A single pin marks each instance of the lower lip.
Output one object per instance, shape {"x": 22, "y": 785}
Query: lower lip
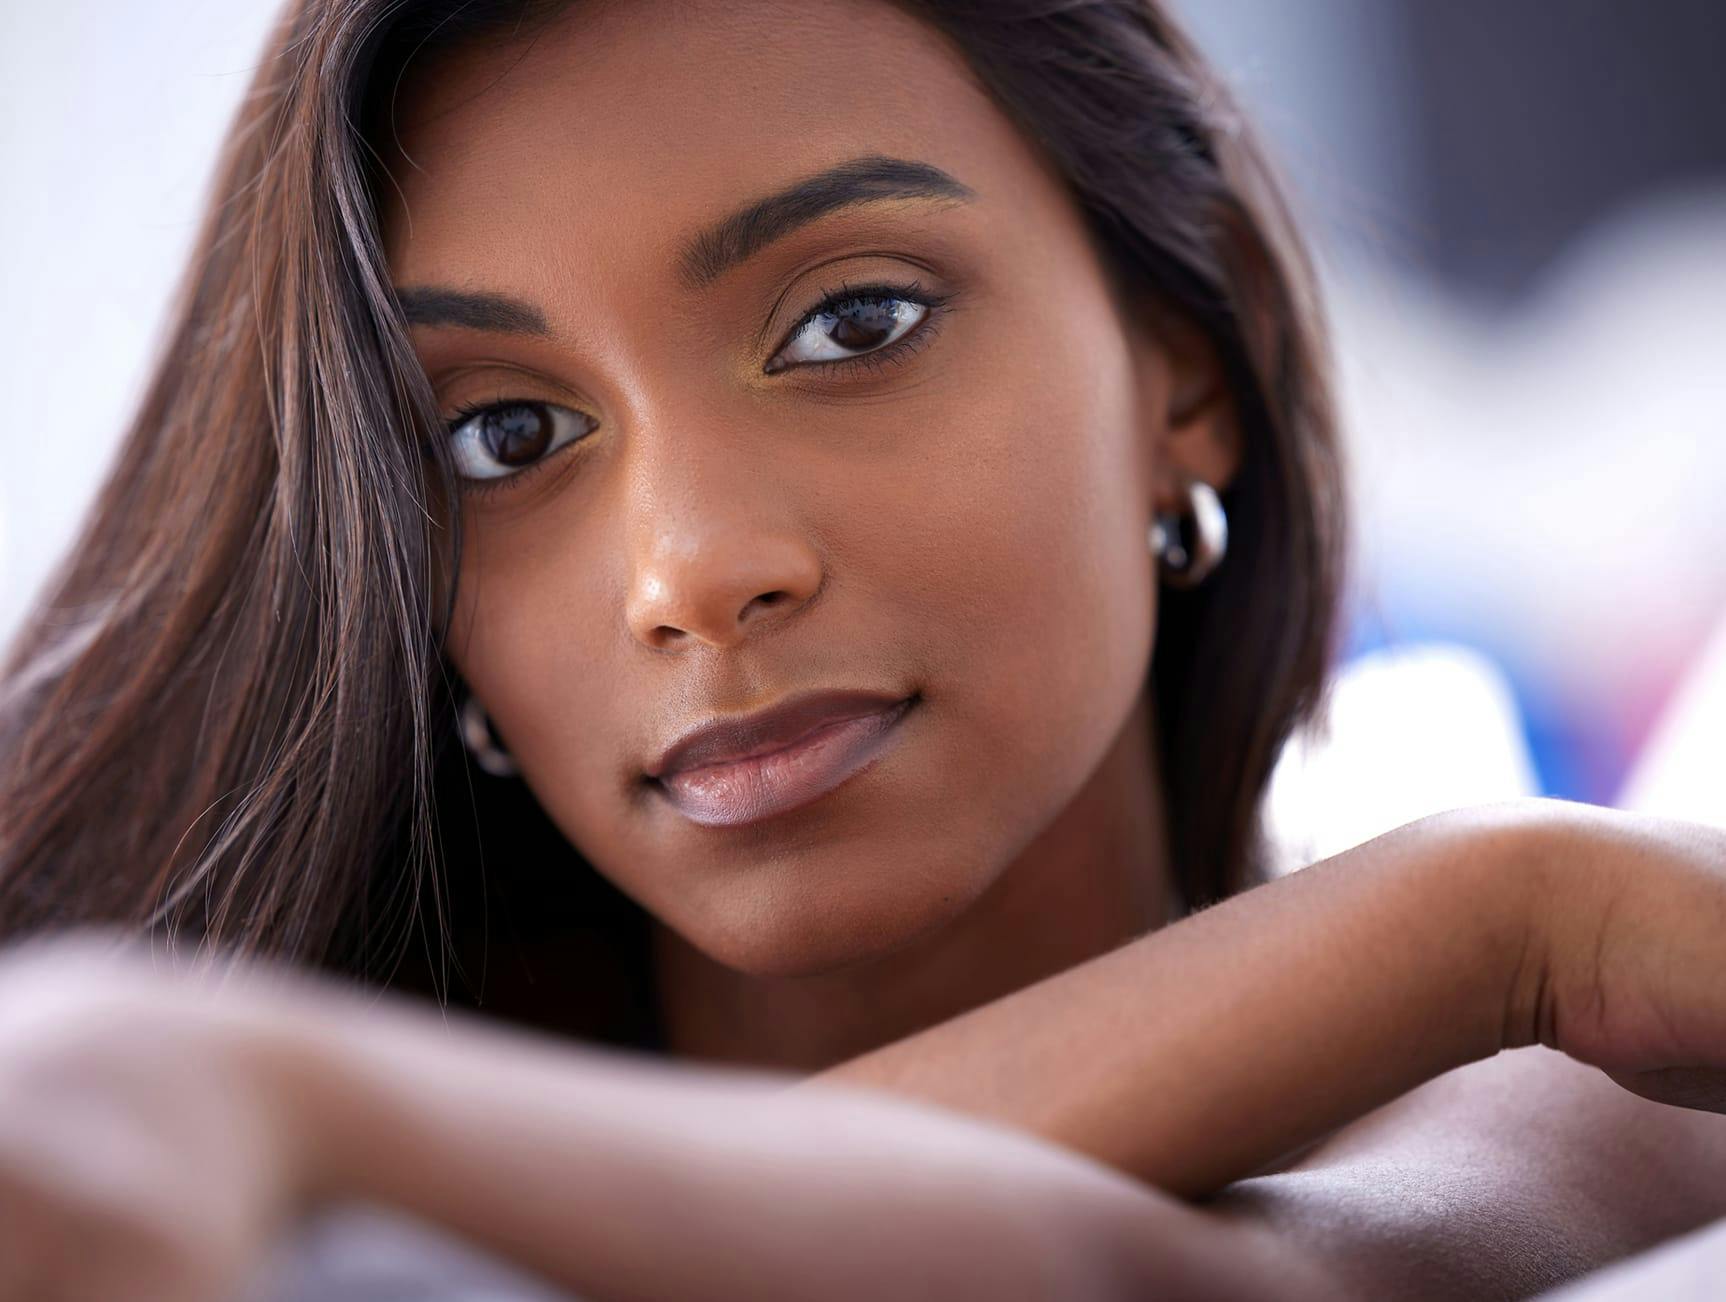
{"x": 730, "y": 795}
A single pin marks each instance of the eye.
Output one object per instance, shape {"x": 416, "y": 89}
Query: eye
{"x": 502, "y": 439}
{"x": 855, "y": 323}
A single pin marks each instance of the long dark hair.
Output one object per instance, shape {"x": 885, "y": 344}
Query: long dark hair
{"x": 229, "y": 715}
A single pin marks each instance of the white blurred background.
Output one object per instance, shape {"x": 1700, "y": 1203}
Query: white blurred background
{"x": 1520, "y": 209}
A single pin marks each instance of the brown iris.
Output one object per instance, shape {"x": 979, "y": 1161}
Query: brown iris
{"x": 867, "y": 327}
{"x": 517, "y": 434}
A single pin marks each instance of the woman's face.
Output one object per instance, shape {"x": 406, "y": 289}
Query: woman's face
{"x": 700, "y": 501}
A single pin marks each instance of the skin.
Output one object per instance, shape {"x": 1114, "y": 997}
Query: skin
{"x": 970, "y": 524}
{"x": 1006, "y": 863}
{"x": 724, "y": 535}
{"x": 159, "y": 1129}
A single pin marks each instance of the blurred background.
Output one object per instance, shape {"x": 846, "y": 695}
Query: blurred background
{"x": 1519, "y": 207}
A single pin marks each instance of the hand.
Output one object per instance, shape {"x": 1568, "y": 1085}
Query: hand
{"x": 145, "y": 1152}
{"x": 1627, "y": 971}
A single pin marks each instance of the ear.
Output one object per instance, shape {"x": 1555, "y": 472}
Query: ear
{"x": 1188, "y": 418}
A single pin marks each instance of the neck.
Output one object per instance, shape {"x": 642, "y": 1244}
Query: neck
{"x": 1095, "y": 878}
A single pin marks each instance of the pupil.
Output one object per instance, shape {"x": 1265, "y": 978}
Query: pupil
{"x": 518, "y": 434}
{"x": 866, "y": 328}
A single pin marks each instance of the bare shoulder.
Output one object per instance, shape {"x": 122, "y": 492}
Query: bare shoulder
{"x": 1501, "y": 1178}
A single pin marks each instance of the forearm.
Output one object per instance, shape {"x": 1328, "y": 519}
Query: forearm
{"x": 621, "y": 1178}
{"x": 1202, "y": 1053}
{"x": 1688, "y": 1270}
{"x": 1500, "y": 1179}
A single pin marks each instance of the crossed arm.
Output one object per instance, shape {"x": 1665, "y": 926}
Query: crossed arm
{"x": 1320, "y": 1059}
{"x": 1260, "y": 1054}
{"x": 625, "y": 1179}
{"x": 1258, "y": 1057}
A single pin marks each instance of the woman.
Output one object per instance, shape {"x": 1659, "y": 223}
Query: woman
{"x": 623, "y": 382}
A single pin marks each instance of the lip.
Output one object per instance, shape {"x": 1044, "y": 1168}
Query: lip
{"x": 738, "y": 737}
{"x": 779, "y": 760}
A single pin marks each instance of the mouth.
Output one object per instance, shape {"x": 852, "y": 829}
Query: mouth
{"x": 747, "y": 790}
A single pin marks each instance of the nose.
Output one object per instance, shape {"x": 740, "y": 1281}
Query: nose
{"x": 717, "y": 553}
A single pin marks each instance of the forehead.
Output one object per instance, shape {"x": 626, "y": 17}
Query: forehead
{"x": 606, "y": 135}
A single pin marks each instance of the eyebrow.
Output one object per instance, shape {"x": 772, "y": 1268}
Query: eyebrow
{"x": 710, "y": 253}
{"x": 437, "y": 306}
{"x": 870, "y": 179}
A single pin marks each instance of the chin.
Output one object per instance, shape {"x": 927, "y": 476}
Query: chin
{"x": 797, "y": 934}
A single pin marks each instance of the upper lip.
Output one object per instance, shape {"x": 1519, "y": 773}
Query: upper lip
{"x": 727, "y": 740}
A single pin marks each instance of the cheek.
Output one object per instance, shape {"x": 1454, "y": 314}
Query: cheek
{"x": 1023, "y": 565}
{"x": 522, "y": 629}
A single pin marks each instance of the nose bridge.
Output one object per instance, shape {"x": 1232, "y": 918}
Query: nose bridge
{"x": 714, "y": 543}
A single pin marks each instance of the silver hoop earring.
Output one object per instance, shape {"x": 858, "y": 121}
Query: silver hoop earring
{"x": 1179, "y": 568}
{"x": 476, "y": 736}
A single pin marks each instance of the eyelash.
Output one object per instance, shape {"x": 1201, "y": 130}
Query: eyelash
{"x": 847, "y": 295}
{"x": 892, "y": 354}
